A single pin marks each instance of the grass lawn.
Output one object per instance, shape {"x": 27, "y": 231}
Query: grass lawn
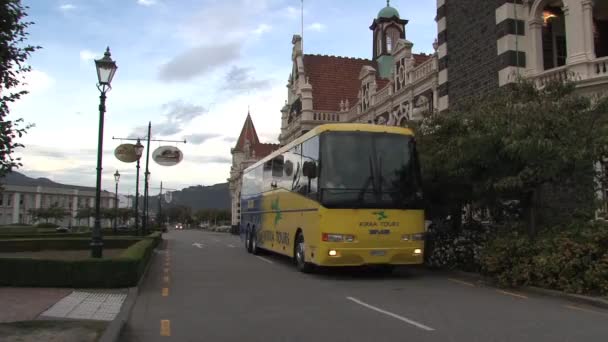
{"x": 61, "y": 254}
{"x": 52, "y": 331}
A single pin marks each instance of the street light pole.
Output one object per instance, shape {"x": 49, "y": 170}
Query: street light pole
{"x": 146, "y": 177}
{"x": 138, "y": 150}
{"x": 116, "y": 178}
{"x": 106, "y": 68}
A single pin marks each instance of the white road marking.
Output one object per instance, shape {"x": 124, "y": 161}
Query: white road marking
{"x": 262, "y": 258}
{"x": 388, "y": 313}
{"x": 216, "y": 240}
{"x": 231, "y": 246}
{"x": 197, "y": 244}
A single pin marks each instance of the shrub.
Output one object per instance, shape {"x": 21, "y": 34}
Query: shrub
{"x": 572, "y": 258}
{"x": 448, "y": 249}
{"x": 122, "y": 271}
{"x": 47, "y": 225}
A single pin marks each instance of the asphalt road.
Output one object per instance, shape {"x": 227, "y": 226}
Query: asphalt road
{"x": 206, "y": 287}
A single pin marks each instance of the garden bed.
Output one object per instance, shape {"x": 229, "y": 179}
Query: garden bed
{"x": 123, "y": 270}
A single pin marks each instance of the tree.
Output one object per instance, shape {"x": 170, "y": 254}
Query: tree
{"x": 84, "y": 213}
{"x": 125, "y": 214}
{"x": 13, "y": 55}
{"x": 54, "y": 212}
{"x": 520, "y": 144}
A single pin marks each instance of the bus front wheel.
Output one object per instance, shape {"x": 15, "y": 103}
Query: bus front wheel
{"x": 300, "y": 255}
{"x": 254, "y": 244}
{"x": 248, "y": 241}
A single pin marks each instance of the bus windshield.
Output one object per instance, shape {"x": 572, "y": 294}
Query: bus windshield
{"x": 369, "y": 170}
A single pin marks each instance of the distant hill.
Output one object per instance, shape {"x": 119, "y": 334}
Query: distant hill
{"x": 19, "y": 179}
{"x": 197, "y": 197}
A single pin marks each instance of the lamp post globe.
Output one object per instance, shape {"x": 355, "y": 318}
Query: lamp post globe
{"x": 106, "y": 68}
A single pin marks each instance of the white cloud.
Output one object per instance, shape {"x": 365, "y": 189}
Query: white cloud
{"x": 318, "y": 27}
{"x": 67, "y": 7}
{"x": 146, "y": 2}
{"x": 262, "y": 28}
{"x": 87, "y": 55}
{"x": 35, "y": 81}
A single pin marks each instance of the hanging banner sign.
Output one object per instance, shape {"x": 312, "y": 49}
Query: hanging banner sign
{"x": 126, "y": 153}
{"x": 167, "y": 155}
{"x": 168, "y": 197}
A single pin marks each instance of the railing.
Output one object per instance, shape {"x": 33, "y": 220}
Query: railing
{"x": 560, "y": 74}
{"x": 424, "y": 70}
{"x": 326, "y": 117}
{"x": 382, "y": 94}
{"x": 599, "y": 67}
{"x": 577, "y": 72}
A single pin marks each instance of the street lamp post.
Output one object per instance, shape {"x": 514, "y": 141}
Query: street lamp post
{"x": 116, "y": 178}
{"x": 139, "y": 150}
{"x": 106, "y": 68}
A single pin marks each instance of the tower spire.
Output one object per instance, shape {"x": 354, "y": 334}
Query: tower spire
{"x": 388, "y": 3}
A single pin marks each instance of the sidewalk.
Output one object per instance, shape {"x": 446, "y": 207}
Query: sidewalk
{"x": 58, "y": 314}
{"x": 25, "y": 304}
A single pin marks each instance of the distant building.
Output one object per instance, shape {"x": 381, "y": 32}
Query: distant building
{"x": 247, "y": 151}
{"x": 20, "y": 194}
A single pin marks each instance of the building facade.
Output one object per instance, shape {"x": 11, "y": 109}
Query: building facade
{"x": 247, "y": 151}
{"x": 541, "y": 40}
{"x": 392, "y": 88}
{"x": 19, "y": 198}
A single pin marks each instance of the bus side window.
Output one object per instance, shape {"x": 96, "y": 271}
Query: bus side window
{"x": 310, "y": 165}
{"x": 277, "y": 167}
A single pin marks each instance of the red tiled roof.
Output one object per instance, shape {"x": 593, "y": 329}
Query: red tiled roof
{"x": 419, "y": 59}
{"x": 333, "y": 79}
{"x": 262, "y": 150}
{"x": 381, "y": 83}
{"x": 247, "y": 133}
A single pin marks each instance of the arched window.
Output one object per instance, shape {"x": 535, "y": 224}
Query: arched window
{"x": 554, "y": 35}
{"x": 379, "y": 45}
{"x": 600, "y": 27}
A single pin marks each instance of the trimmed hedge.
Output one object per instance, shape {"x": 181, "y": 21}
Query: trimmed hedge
{"x": 122, "y": 271}
{"x": 33, "y": 245}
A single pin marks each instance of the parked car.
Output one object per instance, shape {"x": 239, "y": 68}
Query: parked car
{"x": 61, "y": 229}
{"x": 122, "y": 228}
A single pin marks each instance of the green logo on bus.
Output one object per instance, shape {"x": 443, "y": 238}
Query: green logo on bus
{"x": 381, "y": 215}
{"x": 277, "y": 209}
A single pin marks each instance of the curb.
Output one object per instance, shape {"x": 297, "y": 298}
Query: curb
{"x": 593, "y": 301}
{"x": 580, "y": 299}
{"x": 114, "y": 329}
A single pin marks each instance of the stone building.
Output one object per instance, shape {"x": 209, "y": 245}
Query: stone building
{"x": 393, "y": 87}
{"x": 247, "y": 151}
{"x": 20, "y": 194}
{"x": 484, "y": 45}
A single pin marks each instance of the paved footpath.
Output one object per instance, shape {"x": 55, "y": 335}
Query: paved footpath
{"x": 205, "y": 287}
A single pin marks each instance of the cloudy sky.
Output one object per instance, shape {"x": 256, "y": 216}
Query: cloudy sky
{"x": 191, "y": 67}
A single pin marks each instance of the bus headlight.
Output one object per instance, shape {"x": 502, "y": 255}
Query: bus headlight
{"x": 332, "y": 252}
{"x": 331, "y": 237}
{"x": 417, "y": 251}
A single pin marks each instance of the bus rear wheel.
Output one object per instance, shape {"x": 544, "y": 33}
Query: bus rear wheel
{"x": 300, "y": 255}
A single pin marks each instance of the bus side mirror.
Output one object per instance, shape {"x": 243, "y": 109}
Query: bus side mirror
{"x": 309, "y": 170}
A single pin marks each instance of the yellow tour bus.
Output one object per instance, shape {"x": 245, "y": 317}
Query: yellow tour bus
{"x": 340, "y": 195}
